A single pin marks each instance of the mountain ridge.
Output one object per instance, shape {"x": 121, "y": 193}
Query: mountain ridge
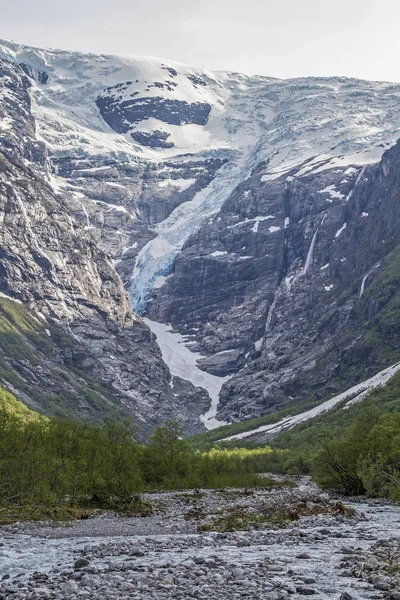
{"x": 215, "y": 197}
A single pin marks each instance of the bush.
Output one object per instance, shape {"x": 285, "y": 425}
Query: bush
{"x": 365, "y": 459}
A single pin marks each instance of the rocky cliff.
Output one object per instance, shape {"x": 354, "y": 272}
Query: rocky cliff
{"x": 258, "y": 216}
{"x": 292, "y": 290}
{"x": 70, "y": 342}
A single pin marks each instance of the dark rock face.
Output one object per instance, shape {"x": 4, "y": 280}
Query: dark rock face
{"x": 272, "y": 288}
{"x": 130, "y": 198}
{"x": 17, "y": 135}
{"x": 71, "y": 289}
{"x": 121, "y": 115}
{"x": 154, "y": 139}
{"x": 41, "y": 76}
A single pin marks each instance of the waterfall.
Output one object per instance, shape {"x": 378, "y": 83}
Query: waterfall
{"x": 310, "y": 253}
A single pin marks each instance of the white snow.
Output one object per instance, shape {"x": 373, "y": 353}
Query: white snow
{"x": 287, "y": 222}
{"x": 331, "y": 190}
{"x": 339, "y": 231}
{"x": 117, "y": 185}
{"x": 350, "y": 171}
{"x": 258, "y": 343}
{"x": 255, "y": 220}
{"x": 354, "y": 394}
{"x": 325, "y": 267}
{"x": 309, "y": 124}
{"x": 160, "y": 281}
{"x": 364, "y": 214}
{"x": 273, "y": 228}
{"x": 6, "y": 123}
{"x": 182, "y": 362}
{"x": 328, "y": 288}
{"x": 182, "y": 184}
{"x": 9, "y": 298}
{"x": 219, "y": 253}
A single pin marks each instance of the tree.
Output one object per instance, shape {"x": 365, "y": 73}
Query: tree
{"x": 168, "y": 454}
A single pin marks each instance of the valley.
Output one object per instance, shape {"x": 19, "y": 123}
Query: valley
{"x": 324, "y": 554}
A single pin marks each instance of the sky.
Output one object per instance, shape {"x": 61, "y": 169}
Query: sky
{"x": 280, "y": 38}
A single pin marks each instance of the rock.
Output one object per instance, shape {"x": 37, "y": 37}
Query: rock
{"x": 303, "y": 555}
{"x": 346, "y": 596}
{"x": 52, "y": 264}
{"x": 42, "y": 592}
{"x": 263, "y": 274}
{"x": 305, "y": 591}
{"x": 80, "y": 563}
{"x": 372, "y": 564}
{"x": 383, "y": 584}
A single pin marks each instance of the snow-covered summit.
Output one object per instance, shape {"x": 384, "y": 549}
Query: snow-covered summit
{"x": 285, "y": 120}
{"x": 147, "y": 111}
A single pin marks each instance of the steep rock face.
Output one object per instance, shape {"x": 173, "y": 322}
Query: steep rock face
{"x": 121, "y": 116}
{"x": 280, "y": 288}
{"x": 55, "y": 268}
{"x": 247, "y": 211}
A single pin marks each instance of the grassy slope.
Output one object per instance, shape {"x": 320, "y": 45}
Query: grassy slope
{"x": 32, "y": 367}
{"x": 305, "y": 436}
{"x": 10, "y": 404}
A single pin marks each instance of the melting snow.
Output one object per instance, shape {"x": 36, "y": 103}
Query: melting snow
{"x": 332, "y": 192}
{"x": 339, "y": 231}
{"x": 182, "y": 362}
{"x": 9, "y": 298}
{"x": 182, "y": 184}
{"x": 354, "y": 394}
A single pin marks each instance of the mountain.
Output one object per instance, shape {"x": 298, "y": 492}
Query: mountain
{"x": 259, "y": 217}
{"x": 69, "y": 342}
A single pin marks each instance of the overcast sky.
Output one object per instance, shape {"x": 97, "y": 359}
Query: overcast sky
{"x": 281, "y": 38}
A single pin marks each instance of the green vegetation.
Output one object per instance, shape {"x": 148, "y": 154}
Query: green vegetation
{"x": 63, "y": 469}
{"x": 275, "y": 516}
{"x": 9, "y": 404}
{"x": 352, "y": 450}
{"x": 33, "y": 363}
{"x": 208, "y": 439}
{"x": 365, "y": 459}
{"x": 171, "y": 463}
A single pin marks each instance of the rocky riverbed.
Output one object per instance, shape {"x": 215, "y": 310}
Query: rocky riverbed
{"x": 215, "y": 545}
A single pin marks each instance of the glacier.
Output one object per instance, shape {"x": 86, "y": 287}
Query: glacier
{"x": 313, "y": 123}
{"x": 91, "y": 110}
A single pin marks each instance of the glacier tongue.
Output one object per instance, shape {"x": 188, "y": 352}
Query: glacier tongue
{"x": 353, "y": 395}
{"x": 183, "y": 363}
{"x": 157, "y": 256}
